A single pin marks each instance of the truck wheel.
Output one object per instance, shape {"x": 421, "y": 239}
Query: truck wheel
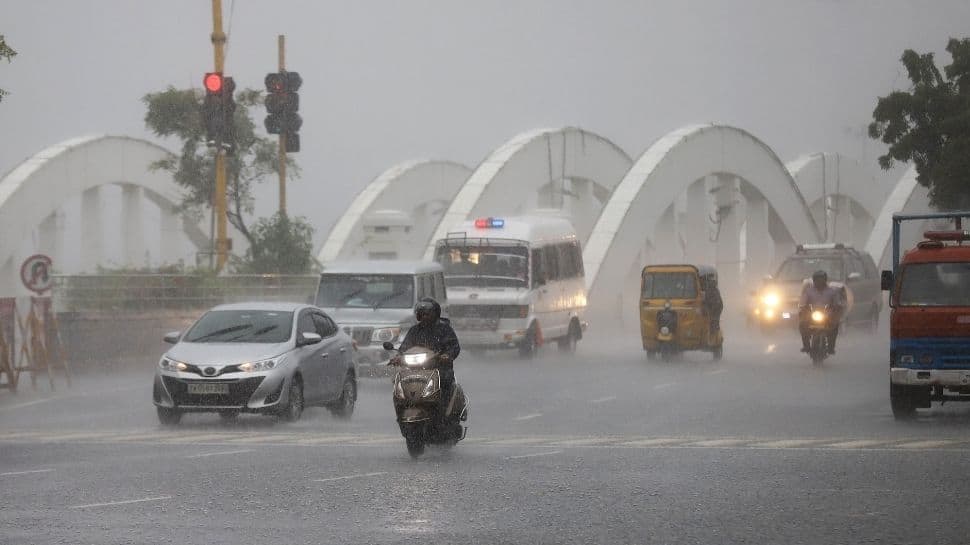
{"x": 902, "y": 402}
{"x": 529, "y": 345}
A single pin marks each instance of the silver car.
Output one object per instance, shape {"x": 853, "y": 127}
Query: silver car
{"x": 270, "y": 358}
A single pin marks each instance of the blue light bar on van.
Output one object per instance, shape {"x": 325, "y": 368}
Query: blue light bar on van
{"x": 489, "y": 223}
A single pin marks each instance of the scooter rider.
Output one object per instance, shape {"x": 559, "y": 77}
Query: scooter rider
{"x": 820, "y": 294}
{"x": 434, "y": 332}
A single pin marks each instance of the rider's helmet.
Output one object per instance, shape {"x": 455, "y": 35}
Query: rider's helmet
{"x": 820, "y": 279}
{"x": 427, "y": 311}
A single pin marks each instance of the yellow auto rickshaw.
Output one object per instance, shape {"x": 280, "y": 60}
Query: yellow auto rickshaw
{"x": 673, "y": 314}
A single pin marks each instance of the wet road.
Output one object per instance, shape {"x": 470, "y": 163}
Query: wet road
{"x": 600, "y": 447}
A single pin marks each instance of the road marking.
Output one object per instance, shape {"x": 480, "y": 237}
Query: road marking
{"x": 717, "y": 371}
{"x": 533, "y": 455}
{"x": 926, "y": 444}
{"x": 603, "y": 399}
{"x": 206, "y": 455}
{"x": 347, "y": 477}
{"x": 786, "y": 443}
{"x": 717, "y": 443}
{"x": 200, "y": 438}
{"x": 659, "y": 441}
{"x": 376, "y": 440}
{"x": 11, "y": 473}
{"x": 126, "y": 502}
{"x": 770, "y": 349}
{"x": 27, "y": 404}
{"x": 588, "y": 441}
{"x": 265, "y": 438}
{"x": 856, "y": 444}
{"x": 527, "y": 417}
{"x": 663, "y": 385}
{"x": 517, "y": 441}
{"x": 329, "y": 439}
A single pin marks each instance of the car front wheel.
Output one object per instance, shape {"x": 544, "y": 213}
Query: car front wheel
{"x": 294, "y": 409}
{"x": 344, "y": 407}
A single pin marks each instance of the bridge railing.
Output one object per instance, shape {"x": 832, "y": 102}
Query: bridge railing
{"x": 174, "y": 292}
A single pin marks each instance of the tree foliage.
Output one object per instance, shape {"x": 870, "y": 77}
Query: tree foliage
{"x": 8, "y": 53}
{"x": 284, "y": 245}
{"x": 929, "y": 125}
{"x": 177, "y": 113}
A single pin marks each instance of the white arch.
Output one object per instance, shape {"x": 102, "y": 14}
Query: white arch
{"x": 909, "y": 196}
{"x": 512, "y": 175}
{"x": 818, "y": 175}
{"x": 43, "y": 183}
{"x": 401, "y": 187}
{"x": 666, "y": 170}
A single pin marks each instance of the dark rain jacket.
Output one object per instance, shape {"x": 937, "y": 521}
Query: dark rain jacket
{"x": 438, "y": 336}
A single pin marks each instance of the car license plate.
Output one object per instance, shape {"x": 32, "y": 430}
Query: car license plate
{"x": 204, "y": 389}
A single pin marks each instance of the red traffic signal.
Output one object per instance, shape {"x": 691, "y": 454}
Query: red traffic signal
{"x": 212, "y": 82}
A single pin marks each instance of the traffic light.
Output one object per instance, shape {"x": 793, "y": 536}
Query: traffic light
{"x": 218, "y": 109}
{"x": 282, "y": 103}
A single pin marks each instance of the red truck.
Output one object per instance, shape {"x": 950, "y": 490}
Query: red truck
{"x": 930, "y": 321}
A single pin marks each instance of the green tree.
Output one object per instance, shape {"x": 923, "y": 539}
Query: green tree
{"x": 284, "y": 245}
{"x": 177, "y": 113}
{"x": 6, "y": 52}
{"x": 929, "y": 124}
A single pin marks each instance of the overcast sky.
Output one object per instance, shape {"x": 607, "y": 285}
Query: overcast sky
{"x": 395, "y": 80}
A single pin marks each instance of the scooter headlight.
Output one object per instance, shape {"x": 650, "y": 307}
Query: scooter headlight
{"x": 665, "y": 330}
{"x": 818, "y": 316}
{"x": 415, "y": 359}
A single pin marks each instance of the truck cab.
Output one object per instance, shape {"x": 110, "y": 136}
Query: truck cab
{"x": 930, "y": 321}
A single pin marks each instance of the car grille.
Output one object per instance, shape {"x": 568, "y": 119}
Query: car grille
{"x": 240, "y": 390}
{"x": 360, "y": 335}
{"x": 475, "y": 311}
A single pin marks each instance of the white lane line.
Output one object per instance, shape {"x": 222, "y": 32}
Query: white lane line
{"x": 603, "y": 400}
{"x": 206, "y": 455}
{"x": 659, "y": 441}
{"x": 714, "y": 443}
{"x": 864, "y": 443}
{"x": 926, "y": 444}
{"x": 516, "y": 441}
{"x": 533, "y": 455}
{"x": 527, "y": 417}
{"x": 27, "y": 404}
{"x": 787, "y": 443}
{"x": 770, "y": 349}
{"x": 717, "y": 371}
{"x": 126, "y": 502}
{"x": 9, "y": 473}
{"x": 663, "y": 385}
{"x": 347, "y": 477}
{"x": 584, "y": 442}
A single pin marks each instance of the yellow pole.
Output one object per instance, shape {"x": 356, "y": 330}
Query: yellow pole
{"x": 218, "y": 46}
{"x": 281, "y": 46}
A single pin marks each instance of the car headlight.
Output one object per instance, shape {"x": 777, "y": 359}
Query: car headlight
{"x": 429, "y": 388}
{"x": 770, "y": 300}
{"x": 262, "y": 365}
{"x": 168, "y": 364}
{"x": 415, "y": 359}
{"x": 385, "y": 334}
{"x": 818, "y": 316}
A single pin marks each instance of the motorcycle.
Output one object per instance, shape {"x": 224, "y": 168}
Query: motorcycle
{"x": 819, "y": 326}
{"x": 666, "y": 330}
{"x": 423, "y": 417}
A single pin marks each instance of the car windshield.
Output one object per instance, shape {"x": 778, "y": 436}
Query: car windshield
{"x": 669, "y": 285}
{"x": 242, "y": 326}
{"x": 801, "y": 268}
{"x": 366, "y": 291}
{"x": 935, "y": 285}
{"x": 485, "y": 265}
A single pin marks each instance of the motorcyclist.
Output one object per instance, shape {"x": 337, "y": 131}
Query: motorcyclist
{"x": 820, "y": 294}
{"x": 435, "y": 333}
{"x": 713, "y": 303}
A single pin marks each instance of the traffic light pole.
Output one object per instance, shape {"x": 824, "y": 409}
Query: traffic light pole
{"x": 222, "y": 243}
{"x": 281, "y": 45}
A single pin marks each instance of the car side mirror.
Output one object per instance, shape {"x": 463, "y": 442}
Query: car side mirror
{"x": 854, "y": 276}
{"x": 388, "y": 345}
{"x": 887, "y": 280}
{"x": 309, "y": 338}
{"x": 172, "y": 337}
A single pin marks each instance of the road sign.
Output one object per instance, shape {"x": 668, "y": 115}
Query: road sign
{"x": 36, "y": 273}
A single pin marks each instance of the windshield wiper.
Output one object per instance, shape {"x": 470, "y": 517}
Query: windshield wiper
{"x": 387, "y": 298}
{"x": 218, "y": 332}
{"x": 256, "y": 333}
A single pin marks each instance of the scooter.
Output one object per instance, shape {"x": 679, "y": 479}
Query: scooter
{"x": 819, "y": 326}
{"x": 666, "y": 330}
{"x": 421, "y": 415}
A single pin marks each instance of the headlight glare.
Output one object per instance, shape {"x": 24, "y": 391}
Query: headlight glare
{"x": 770, "y": 299}
{"x": 168, "y": 364}
{"x": 818, "y": 316}
{"x": 262, "y": 365}
{"x": 415, "y": 359}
